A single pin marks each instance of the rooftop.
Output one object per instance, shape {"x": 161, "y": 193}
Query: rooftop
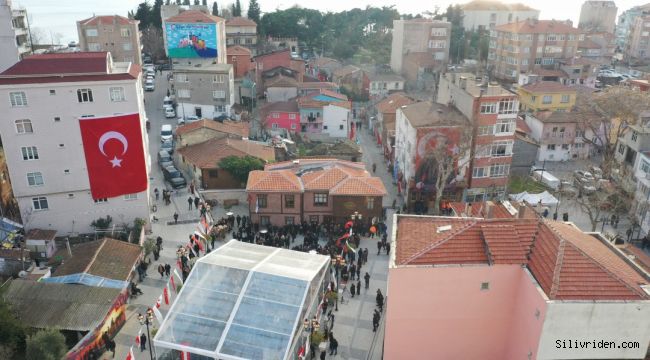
{"x": 240, "y": 21}
{"x": 500, "y": 210}
{"x": 392, "y": 102}
{"x": 60, "y": 306}
{"x": 108, "y": 20}
{"x": 487, "y": 5}
{"x": 475, "y": 87}
{"x": 426, "y": 113}
{"x": 422, "y": 59}
{"x": 280, "y": 106}
{"x": 551, "y": 117}
{"x": 38, "y": 234}
{"x": 530, "y": 26}
{"x": 385, "y": 77}
{"x": 238, "y": 50}
{"x": 206, "y": 155}
{"x": 567, "y": 263}
{"x": 344, "y": 71}
{"x": 547, "y": 87}
{"x": 194, "y": 16}
{"x": 228, "y": 127}
{"x": 243, "y": 301}
{"x": 202, "y": 67}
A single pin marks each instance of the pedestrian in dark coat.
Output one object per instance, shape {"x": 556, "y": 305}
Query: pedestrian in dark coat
{"x": 359, "y": 286}
{"x": 190, "y": 201}
{"x": 168, "y": 269}
{"x": 322, "y": 355}
{"x": 175, "y": 218}
{"x": 352, "y": 290}
{"x": 161, "y": 270}
{"x": 196, "y": 202}
{"x": 367, "y": 279}
{"x": 334, "y": 346}
{"x": 387, "y": 248}
{"x": 378, "y": 247}
{"x": 238, "y": 219}
{"x": 143, "y": 342}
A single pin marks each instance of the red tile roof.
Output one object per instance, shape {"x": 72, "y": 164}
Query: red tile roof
{"x": 238, "y": 50}
{"x": 317, "y": 85}
{"x": 499, "y": 210}
{"x": 108, "y": 20}
{"x": 206, "y": 155}
{"x": 240, "y": 21}
{"x": 522, "y": 126}
{"x": 638, "y": 256}
{"x": 538, "y": 26}
{"x": 547, "y": 87}
{"x": 567, "y": 263}
{"x": 61, "y": 63}
{"x": 38, "y": 234}
{"x": 229, "y": 127}
{"x": 390, "y": 104}
{"x": 194, "y": 16}
{"x": 273, "y": 181}
{"x": 368, "y": 186}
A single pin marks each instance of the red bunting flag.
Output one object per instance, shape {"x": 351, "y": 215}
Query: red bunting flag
{"x": 129, "y": 356}
{"x": 166, "y": 294}
{"x": 171, "y": 280}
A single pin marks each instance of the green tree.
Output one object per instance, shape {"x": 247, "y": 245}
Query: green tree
{"x": 12, "y": 333}
{"x": 143, "y": 13}
{"x": 186, "y": 2}
{"x": 46, "y": 344}
{"x": 254, "y": 11}
{"x": 204, "y": 2}
{"x": 237, "y": 8}
{"x": 197, "y": 2}
{"x": 239, "y": 167}
{"x": 154, "y": 16}
{"x": 215, "y": 9}
{"x": 167, "y": 2}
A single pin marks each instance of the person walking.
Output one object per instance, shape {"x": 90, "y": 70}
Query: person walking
{"x": 359, "y": 272}
{"x": 359, "y": 286}
{"x": 334, "y": 345}
{"x": 375, "y": 322}
{"x": 192, "y": 188}
{"x": 161, "y": 270}
{"x": 143, "y": 342}
{"x": 353, "y": 271}
{"x": 175, "y": 218}
{"x": 380, "y": 300}
{"x": 378, "y": 247}
{"x": 367, "y": 279}
{"x": 352, "y": 289}
{"x": 168, "y": 270}
{"x": 190, "y": 201}
{"x": 387, "y": 248}
{"x": 374, "y": 168}
{"x": 196, "y": 202}
{"x": 322, "y": 355}
{"x": 155, "y": 191}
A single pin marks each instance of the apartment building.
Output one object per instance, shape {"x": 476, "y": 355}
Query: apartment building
{"x": 492, "y": 111}
{"x": 420, "y": 36}
{"x": 637, "y": 46}
{"x": 242, "y": 31}
{"x": 205, "y": 90}
{"x": 597, "y": 16}
{"x": 641, "y": 204}
{"x": 625, "y": 21}
{"x": 560, "y": 135}
{"x": 193, "y": 34}
{"x": 382, "y": 84}
{"x": 43, "y": 98}
{"x": 486, "y": 15}
{"x": 116, "y": 34}
{"x": 326, "y": 112}
{"x": 546, "y": 96}
{"x": 525, "y": 45}
{"x": 15, "y": 40}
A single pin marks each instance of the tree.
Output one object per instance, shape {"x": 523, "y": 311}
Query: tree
{"x": 254, "y": 11}
{"x": 143, "y": 13}
{"x": 204, "y": 2}
{"x": 46, "y": 344}
{"x": 237, "y": 9}
{"x": 196, "y": 2}
{"x": 12, "y": 333}
{"x": 102, "y": 223}
{"x": 186, "y": 2}
{"x": 152, "y": 42}
{"x": 215, "y": 9}
{"x": 239, "y": 167}
{"x": 155, "y": 16}
{"x": 602, "y": 203}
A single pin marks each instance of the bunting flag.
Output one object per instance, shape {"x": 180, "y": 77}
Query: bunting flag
{"x": 166, "y": 294}
{"x": 180, "y": 279}
{"x": 192, "y": 250}
{"x": 129, "y": 356}
{"x": 171, "y": 280}
{"x": 338, "y": 241}
{"x": 347, "y": 243}
{"x": 137, "y": 337}
{"x": 348, "y": 224}
{"x": 158, "y": 302}
{"x": 158, "y": 315}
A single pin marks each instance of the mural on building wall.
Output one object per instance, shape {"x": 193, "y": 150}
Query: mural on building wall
{"x": 431, "y": 145}
{"x": 191, "y": 40}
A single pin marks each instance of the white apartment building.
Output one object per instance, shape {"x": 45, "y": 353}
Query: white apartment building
{"x": 204, "y": 89}
{"x": 482, "y": 14}
{"x": 336, "y": 119}
{"x": 15, "y": 40}
{"x": 42, "y": 98}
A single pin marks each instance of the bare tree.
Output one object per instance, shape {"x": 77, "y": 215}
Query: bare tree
{"x": 602, "y": 204}
{"x": 608, "y": 115}
{"x": 152, "y": 42}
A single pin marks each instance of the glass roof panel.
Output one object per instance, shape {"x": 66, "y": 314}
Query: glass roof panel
{"x": 276, "y": 288}
{"x": 217, "y": 278}
{"x": 205, "y": 303}
{"x": 191, "y": 331}
{"x": 249, "y": 343}
{"x": 275, "y": 317}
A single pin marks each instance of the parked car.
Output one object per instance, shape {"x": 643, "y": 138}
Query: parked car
{"x": 597, "y": 172}
{"x": 187, "y": 119}
{"x": 164, "y": 159}
{"x": 148, "y": 85}
{"x": 170, "y": 113}
{"x": 584, "y": 177}
{"x": 168, "y": 102}
{"x": 168, "y": 146}
{"x": 174, "y": 177}
{"x": 166, "y": 133}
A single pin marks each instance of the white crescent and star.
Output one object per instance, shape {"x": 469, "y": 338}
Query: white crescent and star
{"x": 117, "y": 136}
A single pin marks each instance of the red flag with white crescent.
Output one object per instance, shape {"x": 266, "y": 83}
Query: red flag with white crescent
{"x": 114, "y": 152}
{"x": 171, "y": 280}
{"x": 158, "y": 302}
{"x": 137, "y": 337}
{"x": 166, "y": 294}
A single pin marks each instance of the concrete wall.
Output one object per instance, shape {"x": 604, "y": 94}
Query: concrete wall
{"x": 276, "y": 94}
{"x": 9, "y": 53}
{"x": 335, "y": 118}
{"x": 473, "y": 19}
{"x": 109, "y": 38}
{"x": 201, "y": 87}
{"x": 405, "y": 144}
{"x": 595, "y": 321}
{"x": 524, "y": 155}
{"x": 598, "y": 15}
{"x": 59, "y": 147}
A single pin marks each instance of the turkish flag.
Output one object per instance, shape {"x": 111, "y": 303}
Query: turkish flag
{"x": 114, "y": 155}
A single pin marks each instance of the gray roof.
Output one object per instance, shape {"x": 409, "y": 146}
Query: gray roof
{"x": 385, "y": 77}
{"x": 426, "y": 113}
{"x": 60, "y": 306}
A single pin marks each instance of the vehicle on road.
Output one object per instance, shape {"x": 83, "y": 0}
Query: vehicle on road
{"x": 170, "y": 113}
{"x": 174, "y": 177}
{"x": 164, "y": 159}
{"x": 149, "y": 85}
{"x": 187, "y": 119}
{"x": 168, "y": 146}
{"x": 166, "y": 133}
{"x": 547, "y": 179}
{"x": 584, "y": 177}
{"x": 168, "y": 102}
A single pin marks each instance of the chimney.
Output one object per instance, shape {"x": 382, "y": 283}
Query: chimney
{"x": 468, "y": 209}
{"x": 489, "y": 209}
{"x": 521, "y": 211}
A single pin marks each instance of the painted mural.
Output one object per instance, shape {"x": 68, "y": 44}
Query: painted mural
{"x": 191, "y": 40}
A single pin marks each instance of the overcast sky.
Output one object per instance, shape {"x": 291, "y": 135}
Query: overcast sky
{"x": 60, "y": 15}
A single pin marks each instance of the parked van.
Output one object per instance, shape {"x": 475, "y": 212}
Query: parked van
{"x": 547, "y": 179}
{"x": 166, "y": 133}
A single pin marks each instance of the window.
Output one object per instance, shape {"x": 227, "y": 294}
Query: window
{"x": 101, "y": 200}
{"x": 213, "y": 173}
{"x": 57, "y": 119}
{"x": 274, "y": 125}
{"x": 52, "y": 92}
{"x": 504, "y": 126}
{"x": 340, "y": 127}
{"x": 292, "y": 116}
{"x": 288, "y": 220}
{"x": 220, "y": 108}
{"x": 84, "y": 95}
{"x": 66, "y": 171}
{"x": 293, "y": 126}
{"x": 479, "y": 172}
{"x": 24, "y": 126}
{"x": 508, "y": 106}
{"x": 313, "y": 219}
{"x": 524, "y": 61}
{"x": 265, "y": 220}
{"x": 488, "y": 108}
{"x": 485, "y": 130}
{"x": 34, "y": 179}
{"x": 127, "y": 46}
{"x": 437, "y": 44}
{"x": 125, "y": 32}
{"x": 181, "y": 78}
{"x": 94, "y": 47}
{"x": 40, "y": 203}
{"x": 621, "y": 149}
{"x": 183, "y": 93}
{"x": 547, "y": 99}
{"x": 565, "y": 146}
{"x": 550, "y": 147}
{"x": 219, "y": 94}
{"x": 565, "y": 99}
{"x": 219, "y": 79}
{"x": 501, "y": 148}
{"x": 438, "y": 32}
{"x": 645, "y": 166}
{"x": 370, "y": 203}
{"x": 91, "y": 32}
{"x": 131, "y": 196}
{"x": 275, "y": 115}
{"x": 18, "y": 98}
{"x": 117, "y": 94}
{"x": 289, "y": 201}
{"x": 485, "y": 286}
{"x": 29, "y": 153}
{"x": 262, "y": 201}
{"x": 320, "y": 199}
{"x": 499, "y": 170}
{"x": 635, "y": 135}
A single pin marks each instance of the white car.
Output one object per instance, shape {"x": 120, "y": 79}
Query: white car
{"x": 187, "y": 119}
{"x": 148, "y": 85}
{"x": 148, "y": 67}
{"x": 170, "y": 113}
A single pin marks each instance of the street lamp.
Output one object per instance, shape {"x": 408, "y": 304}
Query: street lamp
{"x": 356, "y": 218}
{"x": 146, "y": 321}
{"x": 339, "y": 262}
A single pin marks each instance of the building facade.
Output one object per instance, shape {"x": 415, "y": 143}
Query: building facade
{"x": 383, "y": 84}
{"x": 325, "y": 113}
{"x": 206, "y": 91}
{"x": 242, "y": 31}
{"x": 546, "y": 96}
{"x": 116, "y": 34}
{"x": 492, "y": 111}
{"x": 42, "y": 138}
{"x": 625, "y": 21}
{"x": 180, "y": 29}
{"x": 560, "y": 136}
{"x": 487, "y": 15}
{"x": 419, "y": 36}
{"x": 281, "y": 115}
{"x": 15, "y": 39}
{"x": 525, "y": 45}
{"x": 637, "y": 46}
{"x": 597, "y": 16}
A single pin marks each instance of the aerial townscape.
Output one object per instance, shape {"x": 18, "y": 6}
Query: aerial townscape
{"x": 193, "y": 180}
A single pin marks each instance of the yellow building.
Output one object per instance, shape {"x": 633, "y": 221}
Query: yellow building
{"x": 546, "y": 96}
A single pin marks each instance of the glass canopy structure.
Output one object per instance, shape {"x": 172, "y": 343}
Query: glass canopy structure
{"x": 243, "y": 301}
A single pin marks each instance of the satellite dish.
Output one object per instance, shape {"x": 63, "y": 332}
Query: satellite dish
{"x": 22, "y": 274}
